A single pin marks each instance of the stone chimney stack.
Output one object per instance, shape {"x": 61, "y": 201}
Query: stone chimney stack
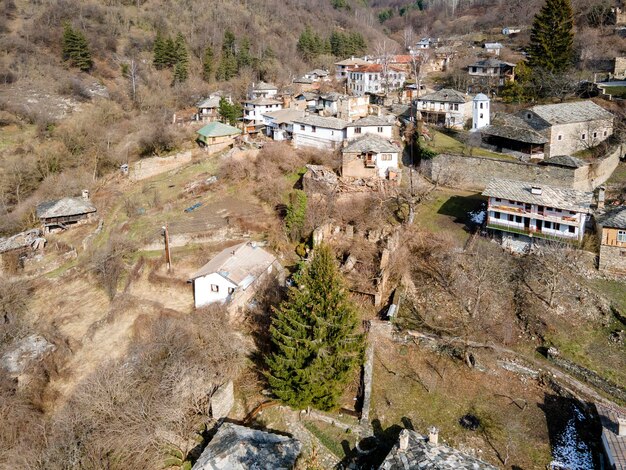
{"x": 601, "y": 197}
{"x": 433, "y": 435}
{"x": 85, "y": 194}
{"x": 621, "y": 427}
{"x": 404, "y": 440}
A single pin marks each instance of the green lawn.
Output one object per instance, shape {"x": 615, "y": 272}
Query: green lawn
{"x": 616, "y": 91}
{"x": 442, "y": 143}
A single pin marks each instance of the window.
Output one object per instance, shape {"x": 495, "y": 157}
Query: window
{"x": 302, "y": 127}
{"x": 572, "y": 212}
{"x": 595, "y": 134}
{"x": 583, "y": 137}
{"x": 455, "y": 107}
{"x": 386, "y": 157}
{"x": 357, "y": 130}
{"x": 559, "y": 137}
{"x": 518, "y": 219}
{"x": 496, "y": 215}
{"x": 380, "y": 129}
{"x": 622, "y": 253}
{"x": 571, "y": 229}
{"x": 511, "y": 218}
{"x": 231, "y": 290}
{"x": 313, "y": 129}
{"x": 498, "y": 199}
{"x": 547, "y": 224}
{"x": 215, "y": 288}
{"x": 621, "y": 236}
{"x": 557, "y": 226}
{"x": 557, "y": 210}
{"x": 481, "y": 115}
{"x": 604, "y": 133}
{"x": 528, "y": 116}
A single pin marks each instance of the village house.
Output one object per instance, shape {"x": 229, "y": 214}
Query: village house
{"x": 253, "y": 111}
{"x": 424, "y": 43}
{"x": 369, "y": 125}
{"x": 491, "y": 73}
{"x": 493, "y": 48}
{"x": 16, "y": 249}
{"x": 509, "y": 30}
{"x": 370, "y": 155}
{"x": 262, "y": 90}
{"x": 217, "y": 136}
{"x": 342, "y": 67}
{"x": 306, "y": 101}
{"x": 305, "y": 84}
{"x": 513, "y": 135}
{"x": 570, "y": 127}
{"x": 233, "y": 275}
{"x": 343, "y": 106}
{"x": 612, "y": 231}
{"x": 318, "y": 75}
{"x": 208, "y": 109}
{"x": 373, "y": 78}
{"x": 236, "y": 447}
{"x": 319, "y": 132}
{"x": 535, "y": 210}
{"x": 279, "y": 124}
{"x": 441, "y": 60}
{"x": 61, "y": 213}
{"x": 446, "y": 107}
{"x": 415, "y": 451}
{"x": 613, "y": 421}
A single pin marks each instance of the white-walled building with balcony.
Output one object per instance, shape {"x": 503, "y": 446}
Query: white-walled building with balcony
{"x": 369, "y": 125}
{"x": 374, "y": 78}
{"x": 537, "y": 210}
{"x": 446, "y": 107}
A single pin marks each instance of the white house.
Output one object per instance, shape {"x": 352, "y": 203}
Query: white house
{"x": 263, "y": 90}
{"x": 319, "y": 132}
{"x": 493, "y": 48}
{"x": 368, "y": 156}
{"x": 507, "y": 31}
{"x": 369, "y": 125}
{"x": 446, "y": 107}
{"x": 232, "y": 275}
{"x": 342, "y": 67}
{"x": 537, "y": 210}
{"x": 253, "y": 111}
{"x": 373, "y": 78}
{"x": 481, "y": 111}
{"x": 279, "y": 124}
{"x": 317, "y": 75}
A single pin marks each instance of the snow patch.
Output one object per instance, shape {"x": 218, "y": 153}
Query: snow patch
{"x": 478, "y": 217}
{"x": 571, "y": 452}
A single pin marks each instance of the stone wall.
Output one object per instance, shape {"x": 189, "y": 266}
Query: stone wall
{"x": 612, "y": 259}
{"x": 148, "y": 167}
{"x": 473, "y": 173}
{"x": 619, "y": 69}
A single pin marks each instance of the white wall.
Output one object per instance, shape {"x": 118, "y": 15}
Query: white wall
{"x": 203, "y": 294}
{"x": 255, "y": 112}
{"x": 384, "y": 165}
{"x": 384, "y": 131}
{"x": 322, "y": 138}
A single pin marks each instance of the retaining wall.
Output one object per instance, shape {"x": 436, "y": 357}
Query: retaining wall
{"x": 148, "y": 167}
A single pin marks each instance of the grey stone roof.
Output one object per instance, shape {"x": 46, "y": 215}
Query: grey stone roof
{"x": 565, "y": 113}
{"x": 304, "y": 80}
{"x": 614, "y": 218}
{"x": 332, "y": 96}
{"x": 352, "y": 61}
{"x": 445, "y": 95}
{"x": 551, "y": 196}
{"x": 262, "y": 101}
{"x": 264, "y": 86}
{"x": 308, "y": 95}
{"x": 422, "y": 455}
{"x": 615, "y": 444}
{"x": 371, "y": 143}
{"x": 20, "y": 240}
{"x": 210, "y": 102}
{"x": 492, "y": 63}
{"x": 283, "y": 116}
{"x": 370, "y": 121}
{"x": 65, "y": 207}
{"x": 236, "y": 447}
{"x": 318, "y": 72}
{"x": 513, "y": 128}
{"x": 565, "y": 160}
{"x": 325, "y": 122}
{"x": 493, "y": 45}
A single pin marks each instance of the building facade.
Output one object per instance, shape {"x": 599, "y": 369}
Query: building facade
{"x": 369, "y": 125}
{"x": 448, "y": 108}
{"x": 342, "y": 67}
{"x": 612, "y": 232}
{"x": 370, "y": 156}
{"x": 253, "y": 111}
{"x": 374, "y": 78}
{"x": 326, "y": 133}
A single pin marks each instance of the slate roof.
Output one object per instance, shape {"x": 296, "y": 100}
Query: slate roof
{"x": 566, "y": 161}
{"x": 371, "y": 143}
{"x": 332, "y": 96}
{"x": 325, "y": 122}
{"x": 493, "y": 45}
{"x": 551, "y": 196}
{"x": 237, "y": 447}
{"x": 421, "y": 454}
{"x": 304, "y": 80}
{"x": 240, "y": 264}
{"x": 370, "y": 121}
{"x": 614, "y": 218}
{"x": 445, "y": 95}
{"x": 352, "y": 61}
{"x": 20, "y": 240}
{"x": 65, "y": 207}
{"x": 512, "y": 127}
{"x": 491, "y": 63}
{"x": 565, "y": 113}
{"x": 283, "y": 116}
{"x": 612, "y": 442}
{"x": 318, "y": 72}
{"x": 264, "y": 86}
{"x": 218, "y": 129}
{"x": 210, "y": 102}
{"x": 262, "y": 101}
{"x": 308, "y": 95}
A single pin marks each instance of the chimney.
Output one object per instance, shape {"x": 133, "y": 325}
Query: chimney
{"x": 601, "y": 197}
{"x": 621, "y": 427}
{"x": 433, "y": 435}
{"x": 404, "y": 440}
{"x": 85, "y": 194}
{"x": 535, "y": 190}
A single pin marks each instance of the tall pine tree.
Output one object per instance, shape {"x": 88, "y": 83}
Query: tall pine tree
{"x": 159, "y": 52}
{"x": 316, "y": 346}
{"x": 76, "y": 49}
{"x": 552, "y": 37}
{"x": 181, "y": 59}
{"x": 207, "y": 64}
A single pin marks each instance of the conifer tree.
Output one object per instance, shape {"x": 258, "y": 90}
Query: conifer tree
{"x": 316, "y": 346}
{"x": 170, "y": 53}
{"x": 552, "y": 37}
{"x": 181, "y": 59}
{"x": 76, "y": 49}
{"x": 159, "y": 53}
{"x": 230, "y": 113}
{"x": 207, "y": 64}
{"x": 244, "y": 59}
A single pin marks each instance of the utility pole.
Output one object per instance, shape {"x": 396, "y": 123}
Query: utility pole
{"x": 168, "y": 254}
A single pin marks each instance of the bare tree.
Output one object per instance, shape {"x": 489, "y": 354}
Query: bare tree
{"x": 408, "y": 36}
{"x": 384, "y": 55}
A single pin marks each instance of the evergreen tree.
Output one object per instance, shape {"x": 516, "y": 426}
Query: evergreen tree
{"x": 230, "y": 113}
{"x": 313, "y": 332}
{"x": 244, "y": 59}
{"x": 182, "y": 59}
{"x": 170, "y": 52}
{"x": 76, "y": 49}
{"x": 207, "y": 64}
{"x": 552, "y": 37}
{"x": 159, "y": 52}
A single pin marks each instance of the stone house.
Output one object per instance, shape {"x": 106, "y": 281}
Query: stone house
{"x": 569, "y": 127}
{"x": 448, "y": 108}
{"x": 342, "y": 67}
{"x": 513, "y": 135}
{"x": 612, "y": 231}
{"x": 493, "y": 48}
{"x": 253, "y": 111}
{"x": 233, "y": 275}
{"x": 319, "y": 132}
{"x": 16, "y": 249}
{"x": 217, "y": 136}
{"x": 619, "y": 67}
{"x": 370, "y": 156}
{"x": 279, "y": 124}
{"x": 369, "y": 125}
{"x": 306, "y": 100}
{"x": 318, "y": 75}
{"x": 530, "y": 210}
{"x": 262, "y": 90}
{"x": 208, "y": 109}
{"x": 491, "y": 73}
{"x": 61, "y": 213}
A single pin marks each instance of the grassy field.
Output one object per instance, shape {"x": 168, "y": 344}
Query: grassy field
{"x": 442, "y": 143}
{"x": 15, "y": 134}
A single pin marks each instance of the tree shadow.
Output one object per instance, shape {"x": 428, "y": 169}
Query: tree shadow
{"x": 460, "y": 206}
{"x": 370, "y": 452}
